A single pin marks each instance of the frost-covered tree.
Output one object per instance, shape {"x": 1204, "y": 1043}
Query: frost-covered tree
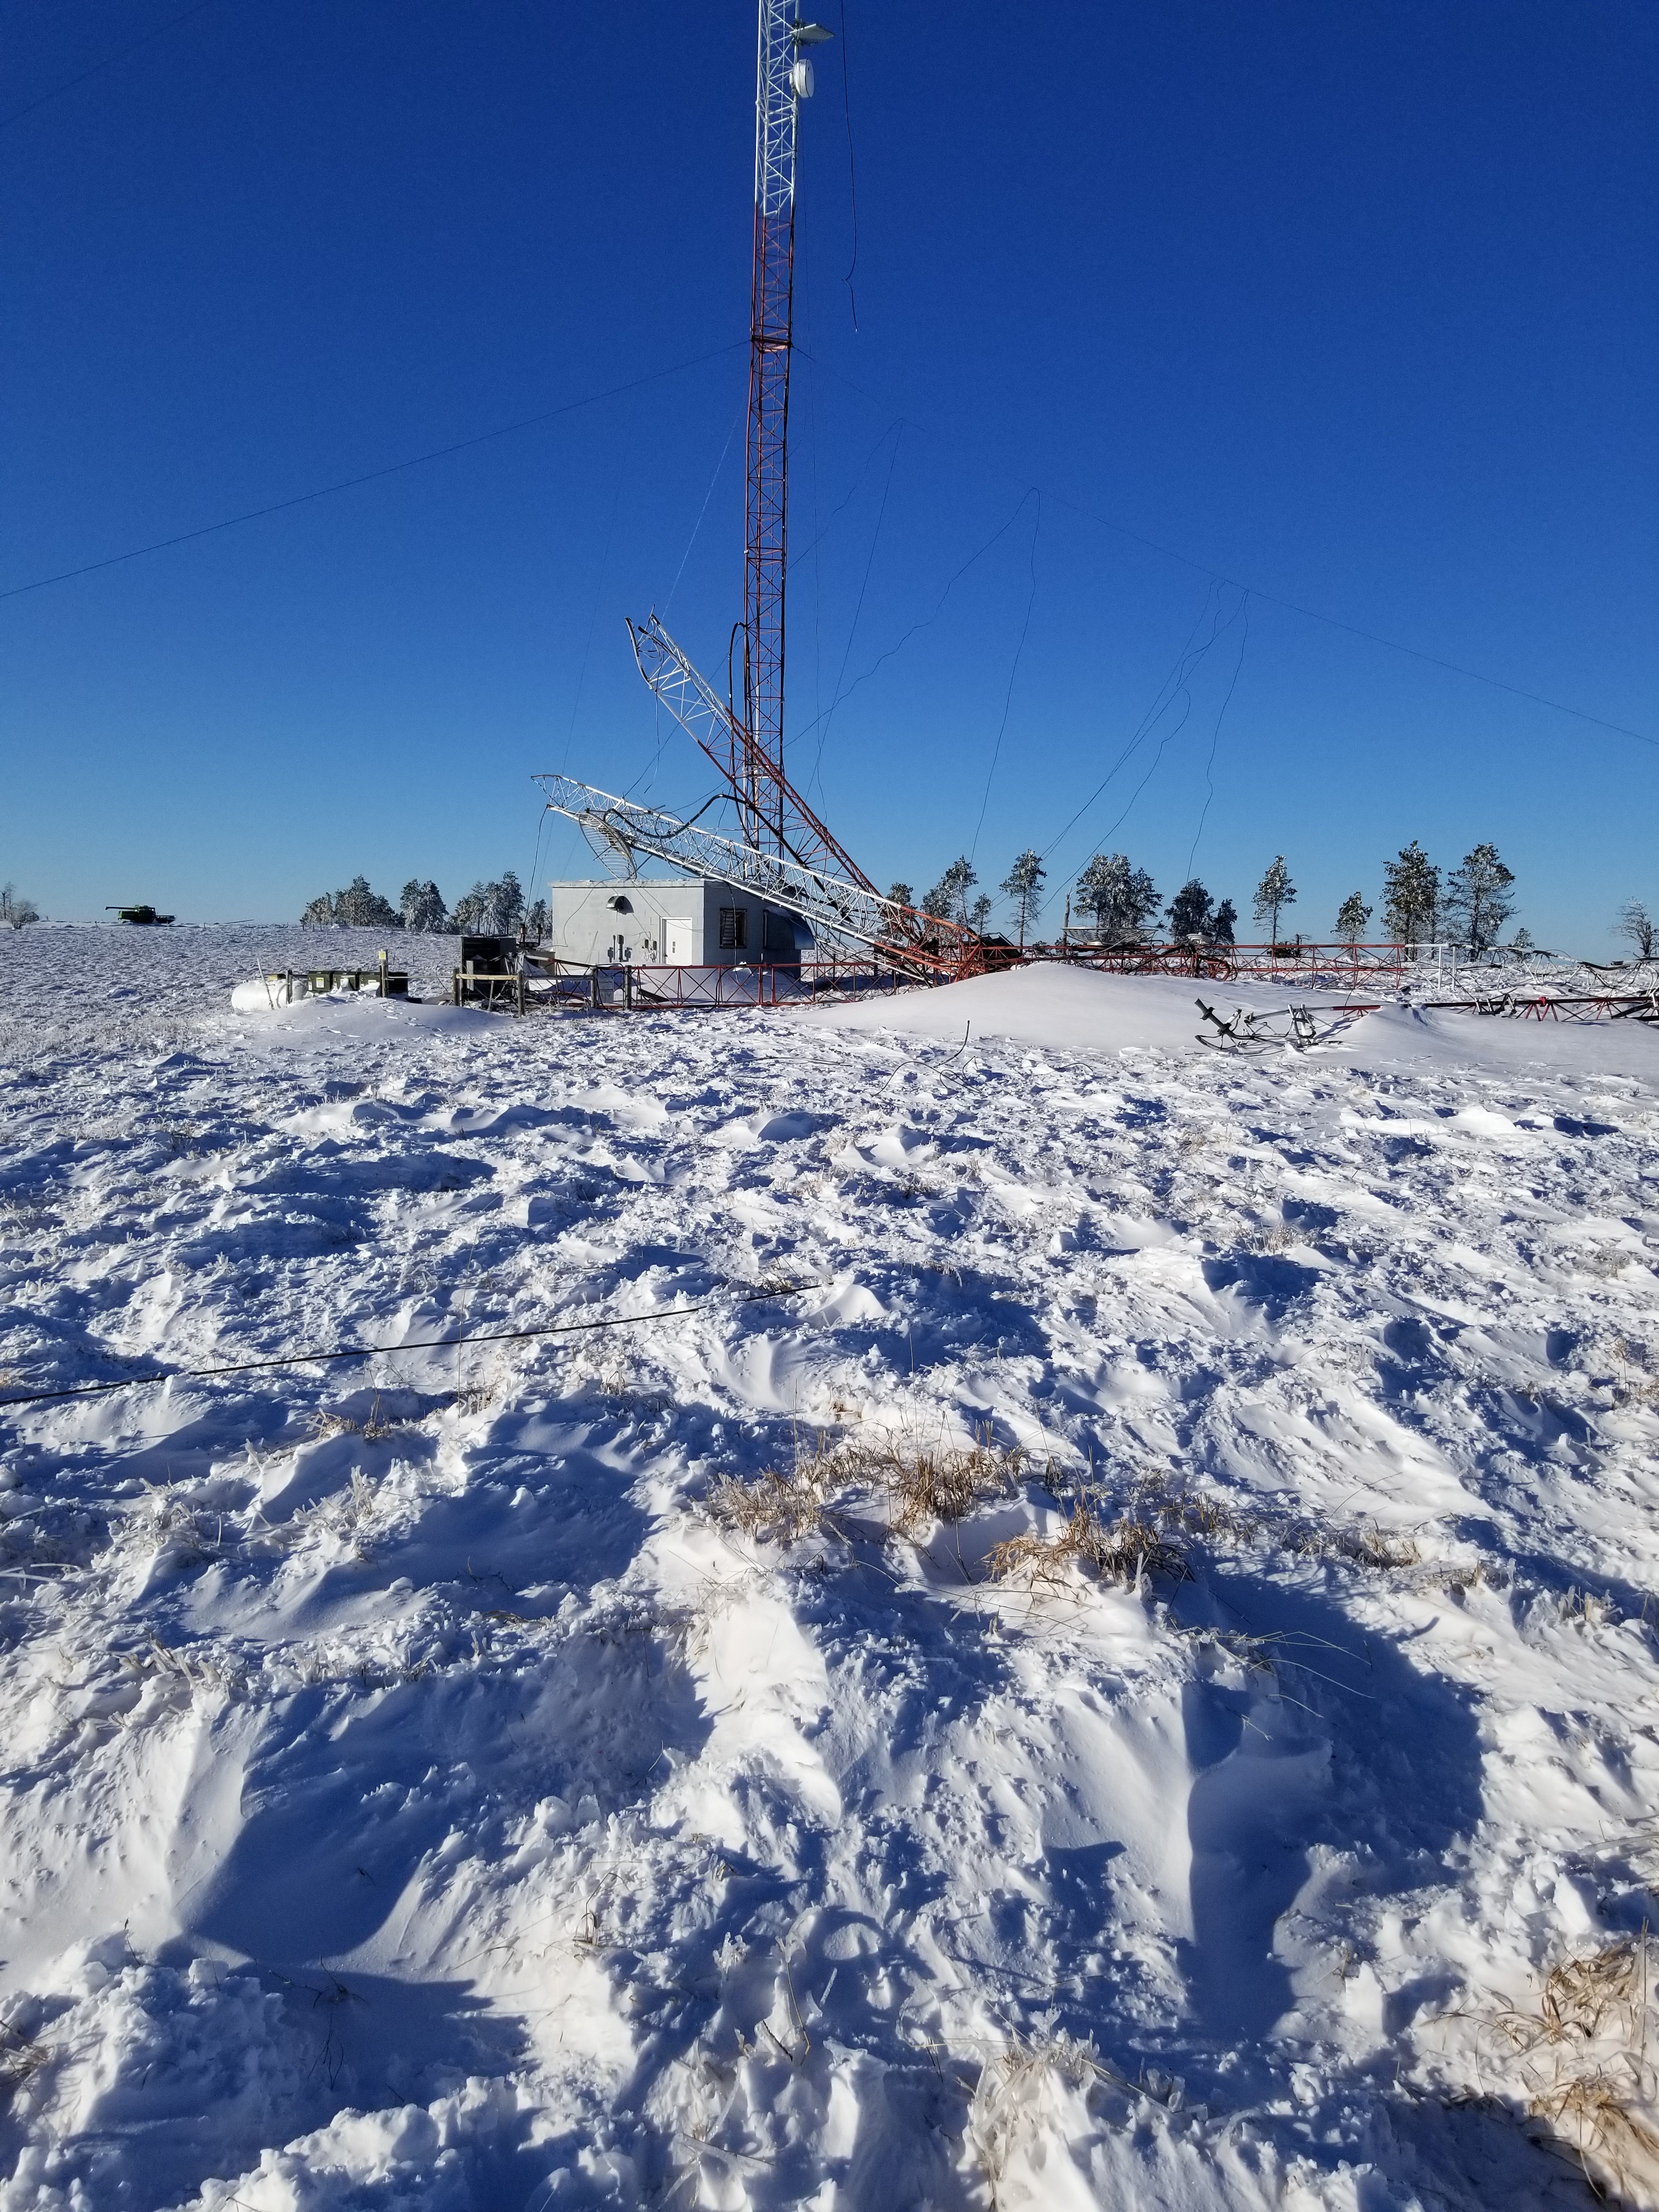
{"x": 356, "y": 907}
{"x": 1272, "y": 894}
{"x": 901, "y": 894}
{"x": 1411, "y": 897}
{"x": 492, "y": 909}
{"x": 363, "y": 909}
{"x": 1221, "y": 924}
{"x": 1635, "y": 925}
{"x": 536, "y": 921}
{"x": 1122, "y": 898}
{"x": 509, "y": 903}
{"x": 1191, "y": 912}
{"x": 1352, "y": 918}
{"x": 1023, "y": 887}
{"x": 1477, "y": 900}
{"x": 15, "y": 908}
{"x": 423, "y": 907}
{"x": 980, "y": 913}
{"x": 948, "y": 900}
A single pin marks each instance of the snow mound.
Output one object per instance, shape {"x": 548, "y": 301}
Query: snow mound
{"x": 1060, "y": 1008}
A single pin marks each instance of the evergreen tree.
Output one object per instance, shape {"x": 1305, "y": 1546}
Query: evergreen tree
{"x": 1351, "y": 916}
{"x": 359, "y": 908}
{"x": 1122, "y": 898}
{"x": 1221, "y": 926}
{"x": 356, "y": 907}
{"x": 491, "y": 909}
{"x": 510, "y": 905}
{"x": 1192, "y": 910}
{"x": 1023, "y": 884}
{"x": 1411, "y": 897}
{"x": 536, "y": 921}
{"x": 15, "y": 908}
{"x": 948, "y": 900}
{"x": 1478, "y": 902}
{"x": 1637, "y": 925}
{"x": 1274, "y": 892}
{"x": 901, "y": 894}
{"x": 979, "y": 914}
{"x": 423, "y": 907}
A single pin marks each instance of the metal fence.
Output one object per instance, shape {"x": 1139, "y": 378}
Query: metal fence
{"x": 670, "y": 988}
{"x": 1308, "y": 967}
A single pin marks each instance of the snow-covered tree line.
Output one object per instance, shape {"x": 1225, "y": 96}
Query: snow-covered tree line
{"x": 1123, "y": 900}
{"x": 1469, "y": 906}
{"x": 488, "y": 910}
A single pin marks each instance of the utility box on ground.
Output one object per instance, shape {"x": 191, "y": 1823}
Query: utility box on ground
{"x": 683, "y": 922}
{"x": 487, "y": 973}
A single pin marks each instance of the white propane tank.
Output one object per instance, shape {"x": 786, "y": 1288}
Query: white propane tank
{"x": 800, "y": 76}
{"x": 267, "y": 993}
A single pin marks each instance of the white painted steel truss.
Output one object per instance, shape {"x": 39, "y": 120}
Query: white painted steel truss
{"x": 767, "y": 806}
{"x": 776, "y": 109}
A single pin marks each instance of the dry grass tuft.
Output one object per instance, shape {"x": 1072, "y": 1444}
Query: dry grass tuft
{"x": 353, "y": 1510}
{"x": 170, "y": 1525}
{"x": 1018, "y": 2108}
{"x": 1184, "y": 1514}
{"x": 1126, "y": 1551}
{"x": 1582, "y": 1609}
{"x": 371, "y": 1429}
{"x": 918, "y": 1486}
{"x": 1584, "y": 2063}
{"x": 19, "y": 2059}
{"x": 1368, "y": 1546}
{"x": 1608, "y": 1261}
{"x": 1635, "y": 1383}
{"x": 945, "y": 1484}
{"x": 774, "y": 1507}
{"x": 1159, "y": 1526}
{"x": 1277, "y": 1237}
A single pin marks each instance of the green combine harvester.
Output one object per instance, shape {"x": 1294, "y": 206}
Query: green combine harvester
{"x": 141, "y": 917}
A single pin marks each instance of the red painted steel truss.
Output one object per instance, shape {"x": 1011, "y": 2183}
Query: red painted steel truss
{"x": 770, "y": 349}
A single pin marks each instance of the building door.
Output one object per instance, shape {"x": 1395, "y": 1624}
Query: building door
{"x": 679, "y": 943}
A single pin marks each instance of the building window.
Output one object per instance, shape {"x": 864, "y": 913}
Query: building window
{"x": 734, "y": 929}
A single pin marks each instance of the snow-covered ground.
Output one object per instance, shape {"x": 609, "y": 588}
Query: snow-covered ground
{"x": 444, "y": 1781}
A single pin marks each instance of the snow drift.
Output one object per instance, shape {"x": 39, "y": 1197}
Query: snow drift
{"x": 1178, "y": 1729}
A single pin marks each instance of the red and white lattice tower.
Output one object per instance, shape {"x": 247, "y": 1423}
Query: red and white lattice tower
{"x": 783, "y": 846}
{"x": 783, "y": 78}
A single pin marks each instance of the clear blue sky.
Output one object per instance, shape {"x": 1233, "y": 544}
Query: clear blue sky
{"x": 1355, "y": 306}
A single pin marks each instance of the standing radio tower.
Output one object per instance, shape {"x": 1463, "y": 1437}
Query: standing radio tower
{"x": 783, "y": 78}
{"x": 783, "y": 850}
{"x": 746, "y": 744}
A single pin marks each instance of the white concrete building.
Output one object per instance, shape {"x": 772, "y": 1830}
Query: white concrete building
{"x": 681, "y": 922}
